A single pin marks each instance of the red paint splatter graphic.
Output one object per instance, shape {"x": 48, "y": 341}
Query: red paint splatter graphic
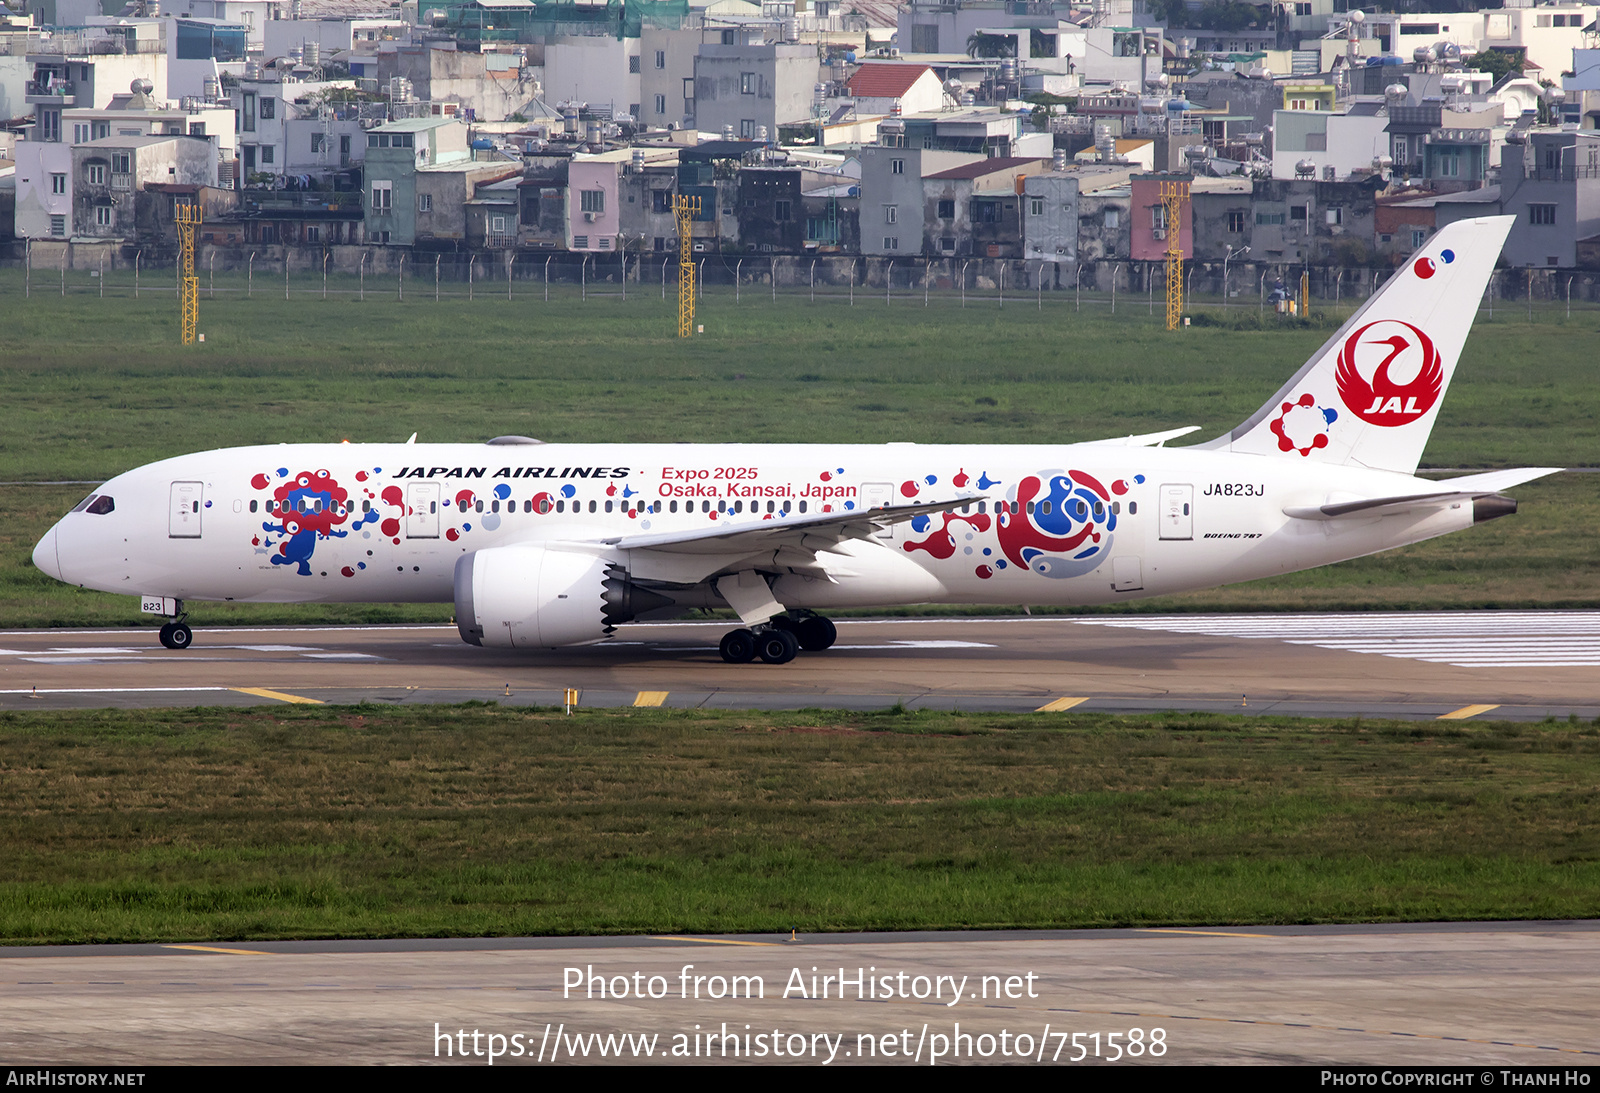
{"x": 390, "y": 527}
{"x": 394, "y": 495}
{"x": 611, "y": 491}
{"x": 361, "y": 476}
{"x": 961, "y": 478}
{"x": 452, "y": 534}
{"x": 542, "y": 502}
{"x": 941, "y": 544}
{"x": 825, "y": 476}
{"x": 1119, "y": 487}
{"x": 260, "y": 481}
{"x": 908, "y": 488}
{"x": 347, "y": 571}
{"x": 984, "y": 572}
{"x": 464, "y": 500}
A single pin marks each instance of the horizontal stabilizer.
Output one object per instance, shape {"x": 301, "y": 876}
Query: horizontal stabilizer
{"x": 1451, "y": 491}
{"x": 1147, "y": 440}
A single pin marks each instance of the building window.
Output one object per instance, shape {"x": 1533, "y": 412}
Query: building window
{"x": 1035, "y": 206}
{"x": 80, "y": 132}
{"x": 313, "y": 233}
{"x": 269, "y": 108}
{"x": 897, "y": 166}
{"x": 1541, "y": 214}
{"x": 947, "y": 209}
{"x": 58, "y": 225}
{"x": 592, "y": 201}
{"x": 747, "y": 83}
{"x": 97, "y": 174}
{"x": 661, "y": 104}
{"x": 497, "y": 224}
{"x": 1269, "y": 218}
{"x": 424, "y": 203}
{"x": 580, "y": 242}
{"x": 121, "y": 163}
{"x": 661, "y": 201}
{"x": 58, "y": 184}
{"x": 266, "y": 153}
{"x": 1236, "y": 220}
{"x": 747, "y": 128}
{"x": 782, "y": 212}
{"x": 382, "y": 197}
{"x": 247, "y": 115}
{"x": 319, "y": 141}
{"x": 1450, "y": 165}
{"x": 100, "y": 129}
{"x": 1419, "y": 236}
{"x": 1158, "y": 218}
{"x": 891, "y": 242}
{"x": 633, "y": 66}
{"x": 661, "y": 59}
{"x": 103, "y": 216}
{"x": 891, "y": 214}
{"x": 1113, "y": 219}
{"x": 1335, "y": 216}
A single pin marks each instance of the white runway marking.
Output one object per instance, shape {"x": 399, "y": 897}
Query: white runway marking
{"x": 1480, "y": 639}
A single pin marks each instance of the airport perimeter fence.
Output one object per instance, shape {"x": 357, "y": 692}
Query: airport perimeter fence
{"x": 1105, "y": 286}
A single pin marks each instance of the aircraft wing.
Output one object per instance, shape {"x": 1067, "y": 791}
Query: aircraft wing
{"x": 1146, "y": 440}
{"x": 1468, "y": 488}
{"x": 756, "y": 534}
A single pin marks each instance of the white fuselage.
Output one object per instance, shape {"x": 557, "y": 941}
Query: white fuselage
{"x": 335, "y": 523}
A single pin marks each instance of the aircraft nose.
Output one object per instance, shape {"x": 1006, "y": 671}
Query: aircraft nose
{"x": 45, "y": 556}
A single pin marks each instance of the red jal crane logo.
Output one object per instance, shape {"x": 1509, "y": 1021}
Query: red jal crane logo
{"x": 1405, "y": 370}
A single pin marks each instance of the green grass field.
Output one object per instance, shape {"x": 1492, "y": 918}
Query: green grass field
{"x": 98, "y": 386}
{"x": 366, "y": 821}
{"x": 464, "y": 821}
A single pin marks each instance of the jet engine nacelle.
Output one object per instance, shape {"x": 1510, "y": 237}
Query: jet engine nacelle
{"x": 532, "y": 597}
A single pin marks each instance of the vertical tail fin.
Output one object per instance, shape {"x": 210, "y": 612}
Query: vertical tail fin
{"x": 1370, "y": 395}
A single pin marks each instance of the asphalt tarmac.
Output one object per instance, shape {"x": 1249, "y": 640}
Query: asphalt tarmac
{"x": 1492, "y": 994}
{"x": 1514, "y": 665}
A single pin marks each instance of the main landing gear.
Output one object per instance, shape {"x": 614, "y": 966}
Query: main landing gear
{"x": 177, "y": 635}
{"x": 779, "y": 641}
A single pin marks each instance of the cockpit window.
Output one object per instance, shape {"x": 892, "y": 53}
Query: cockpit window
{"x": 85, "y": 502}
{"x": 101, "y": 505}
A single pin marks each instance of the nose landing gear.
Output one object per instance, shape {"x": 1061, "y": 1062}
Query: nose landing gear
{"x": 176, "y": 635}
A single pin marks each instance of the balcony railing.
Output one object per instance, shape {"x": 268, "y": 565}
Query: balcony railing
{"x": 121, "y": 181}
{"x": 1568, "y": 173}
{"x": 64, "y": 89}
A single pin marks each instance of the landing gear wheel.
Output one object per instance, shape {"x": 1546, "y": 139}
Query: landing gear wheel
{"x": 777, "y": 646}
{"x": 177, "y": 635}
{"x": 738, "y": 646}
{"x": 815, "y": 633}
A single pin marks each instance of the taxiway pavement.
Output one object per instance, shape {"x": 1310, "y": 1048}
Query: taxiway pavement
{"x": 1496, "y": 994}
{"x": 1516, "y": 665}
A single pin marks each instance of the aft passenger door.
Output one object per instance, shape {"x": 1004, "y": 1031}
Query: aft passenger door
{"x": 422, "y": 510}
{"x": 183, "y": 513}
{"x": 1177, "y": 512}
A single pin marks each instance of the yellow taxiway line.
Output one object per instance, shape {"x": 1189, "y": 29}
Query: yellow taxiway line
{"x": 1465, "y": 712}
{"x": 650, "y": 698}
{"x": 1059, "y": 704}
{"x": 262, "y": 692}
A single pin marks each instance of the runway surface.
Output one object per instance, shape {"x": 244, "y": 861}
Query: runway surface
{"x": 1516, "y": 665}
{"x": 1518, "y": 994}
